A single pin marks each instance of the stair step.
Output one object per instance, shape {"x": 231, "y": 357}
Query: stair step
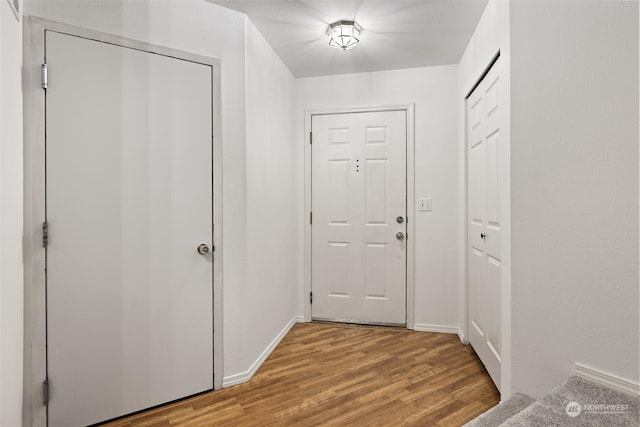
{"x": 552, "y": 409}
{"x": 502, "y": 412}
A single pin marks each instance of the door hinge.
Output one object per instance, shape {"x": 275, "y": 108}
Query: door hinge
{"x": 310, "y": 217}
{"x": 310, "y": 297}
{"x": 45, "y": 234}
{"x": 44, "y": 75}
{"x": 45, "y": 392}
{"x": 310, "y": 137}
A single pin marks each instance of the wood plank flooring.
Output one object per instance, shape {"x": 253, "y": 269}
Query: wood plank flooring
{"x": 342, "y": 375}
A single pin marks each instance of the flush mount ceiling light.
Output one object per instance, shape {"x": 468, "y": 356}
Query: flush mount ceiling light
{"x": 344, "y": 34}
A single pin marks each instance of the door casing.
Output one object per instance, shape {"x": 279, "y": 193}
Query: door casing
{"x": 34, "y": 207}
{"x": 409, "y": 109}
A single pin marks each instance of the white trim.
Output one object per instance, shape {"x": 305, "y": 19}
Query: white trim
{"x": 34, "y": 299}
{"x": 463, "y": 304}
{"x": 441, "y": 329}
{"x": 16, "y": 8}
{"x": 411, "y": 221}
{"x": 306, "y": 285}
{"x": 609, "y": 380}
{"x": 411, "y": 206}
{"x": 463, "y": 338}
{"x": 243, "y": 377}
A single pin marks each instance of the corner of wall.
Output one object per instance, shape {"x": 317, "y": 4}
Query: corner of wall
{"x": 267, "y": 301}
{"x": 246, "y": 376}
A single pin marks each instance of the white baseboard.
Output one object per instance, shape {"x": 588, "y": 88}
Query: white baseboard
{"x": 421, "y": 327}
{"x": 463, "y": 337}
{"x": 299, "y": 318}
{"x": 612, "y": 381}
{"x": 243, "y": 377}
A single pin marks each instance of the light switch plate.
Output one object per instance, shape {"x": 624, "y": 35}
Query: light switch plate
{"x": 424, "y": 205}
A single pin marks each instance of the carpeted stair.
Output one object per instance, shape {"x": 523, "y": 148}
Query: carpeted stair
{"x": 576, "y": 402}
{"x": 502, "y": 412}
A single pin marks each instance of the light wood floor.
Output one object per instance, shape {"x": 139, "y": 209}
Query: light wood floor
{"x": 340, "y": 375}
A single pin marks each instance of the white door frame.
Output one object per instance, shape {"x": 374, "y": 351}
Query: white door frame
{"x": 34, "y": 207}
{"x": 409, "y": 110}
{"x": 505, "y": 200}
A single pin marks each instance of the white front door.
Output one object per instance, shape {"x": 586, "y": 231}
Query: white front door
{"x": 358, "y": 271}
{"x": 485, "y": 174}
{"x": 128, "y": 201}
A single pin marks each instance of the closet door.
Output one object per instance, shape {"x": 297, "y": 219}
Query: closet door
{"x": 128, "y": 202}
{"x": 485, "y": 175}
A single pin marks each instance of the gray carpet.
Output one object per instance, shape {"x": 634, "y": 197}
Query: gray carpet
{"x": 502, "y": 412}
{"x": 592, "y": 398}
{"x": 591, "y": 405}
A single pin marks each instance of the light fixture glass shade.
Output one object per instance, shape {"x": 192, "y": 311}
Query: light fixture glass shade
{"x": 344, "y": 34}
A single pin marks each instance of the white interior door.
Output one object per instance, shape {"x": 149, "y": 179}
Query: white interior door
{"x": 359, "y": 217}
{"x": 485, "y": 174}
{"x": 128, "y": 200}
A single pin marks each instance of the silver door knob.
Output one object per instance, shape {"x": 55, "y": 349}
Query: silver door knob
{"x": 400, "y": 219}
{"x": 400, "y": 235}
{"x": 203, "y": 249}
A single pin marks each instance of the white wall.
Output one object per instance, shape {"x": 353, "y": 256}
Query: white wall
{"x": 269, "y": 288}
{"x": 492, "y": 35}
{"x": 11, "y": 304}
{"x": 258, "y": 275}
{"x": 574, "y": 190}
{"x": 434, "y": 92}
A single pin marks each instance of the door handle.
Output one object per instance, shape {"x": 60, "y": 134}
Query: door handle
{"x": 400, "y": 235}
{"x": 483, "y": 236}
{"x": 203, "y": 249}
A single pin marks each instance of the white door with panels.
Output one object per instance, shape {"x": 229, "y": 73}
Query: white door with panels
{"x": 359, "y": 254}
{"x": 129, "y": 241}
{"x": 485, "y": 173}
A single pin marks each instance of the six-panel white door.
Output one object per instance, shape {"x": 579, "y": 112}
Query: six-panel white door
{"x": 485, "y": 174}
{"x": 128, "y": 200}
{"x": 359, "y": 217}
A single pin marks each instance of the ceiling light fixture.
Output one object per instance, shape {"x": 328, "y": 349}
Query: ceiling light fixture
{"x": 344, "y": 34}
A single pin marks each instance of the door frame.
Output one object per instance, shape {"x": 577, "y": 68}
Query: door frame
{"x": 409, "y": 109}
{"x": 505, "y": 201}
{"x": 35, "y": 339}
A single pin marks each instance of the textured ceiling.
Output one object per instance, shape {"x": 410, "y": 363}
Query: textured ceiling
{"x": 396, "y": 33}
